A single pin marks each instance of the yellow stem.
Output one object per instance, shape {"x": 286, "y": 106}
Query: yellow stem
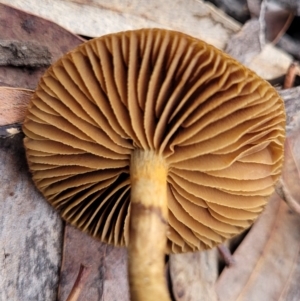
{"x": 148, "y": 226}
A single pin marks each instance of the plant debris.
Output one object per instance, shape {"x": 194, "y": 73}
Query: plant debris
{"x": 23, "y": 54}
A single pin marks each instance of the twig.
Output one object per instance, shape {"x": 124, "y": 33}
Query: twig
{"x": 226, "y": 255}
{"x": 26, "y": 54}
{"x": 79, "y": 283}
{"x": 284, "y": 28}
{"x": 290, "y": 76}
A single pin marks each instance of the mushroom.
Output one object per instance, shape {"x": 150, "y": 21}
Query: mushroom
{"x": 154, "y": 140}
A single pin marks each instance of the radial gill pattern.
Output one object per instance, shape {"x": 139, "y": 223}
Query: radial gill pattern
{"x": 218, "y": 125}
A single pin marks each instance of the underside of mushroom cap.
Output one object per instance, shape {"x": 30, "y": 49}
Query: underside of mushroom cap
{"x": 219, "y": 127}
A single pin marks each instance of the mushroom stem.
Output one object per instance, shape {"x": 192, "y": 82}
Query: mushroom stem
{"x": 148, "y": 226}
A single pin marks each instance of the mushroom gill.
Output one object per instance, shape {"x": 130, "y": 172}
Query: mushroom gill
{"x": 214, "y": 126}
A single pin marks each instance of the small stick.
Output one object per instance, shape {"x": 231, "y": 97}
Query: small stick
{"x": 292, "y": 71}
{"x": 79, "y": 283}
{"x": 226, "y": 255}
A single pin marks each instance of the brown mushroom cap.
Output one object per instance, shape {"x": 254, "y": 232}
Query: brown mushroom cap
{"x": 218, "y": 125}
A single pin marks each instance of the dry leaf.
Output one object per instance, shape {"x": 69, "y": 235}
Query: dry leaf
{"x": 292, "y": 107}
{"x": 291, "y": 172}
{"x": 245, "y": 44}
{"x": 277, "y": 22}
{"x": 14, "y": 104}
{"x": 197, "y": 18}
{"x": 277, "y": 18}
{"x": 267, "y": 260}
{"x": 30, "y": 231}
{"x": 108, "y": 268}
{"x": 23, "y": 27}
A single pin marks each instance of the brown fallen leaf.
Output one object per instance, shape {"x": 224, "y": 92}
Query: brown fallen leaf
{"x": 107, "y": 280}
{"x": 267, "y": 260}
